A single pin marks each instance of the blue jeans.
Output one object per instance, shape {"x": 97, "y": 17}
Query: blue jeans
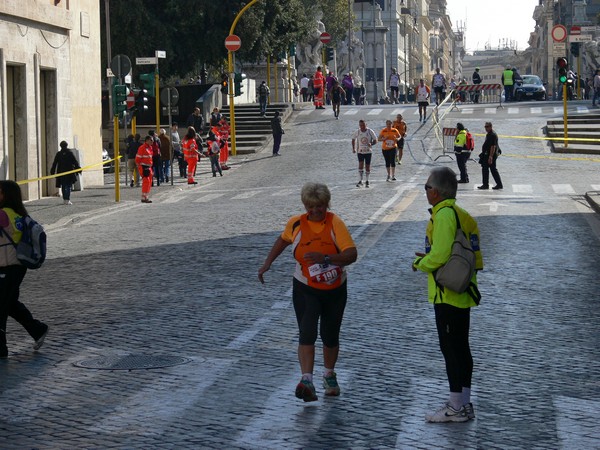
{"x": 66, "y": 190}
{"x": 166, "y": 166}
{"x": 508, "y": 91}
{"x": 263, "y": 104}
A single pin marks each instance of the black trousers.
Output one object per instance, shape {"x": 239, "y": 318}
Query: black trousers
{"x": 461, "y": 161}
{"x": 486, "y": 169}
{"x": 453, "y": 332}
{"x": 11, "y": 278}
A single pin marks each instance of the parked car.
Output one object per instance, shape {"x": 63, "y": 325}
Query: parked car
{"x": 107, "y": 167}
{"x": 532, "y": 88}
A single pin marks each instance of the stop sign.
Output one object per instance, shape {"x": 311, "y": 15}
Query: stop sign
{"x": 233, "y": 43}
{"x": 325, "y": 38}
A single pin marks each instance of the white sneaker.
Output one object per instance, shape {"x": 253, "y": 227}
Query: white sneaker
{"x": 67, "y": 202}
{"x": 447, "y": 414}
{"x": 469, "y": 411}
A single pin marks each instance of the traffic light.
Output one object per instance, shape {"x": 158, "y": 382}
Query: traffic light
{"x": 224, "y": 84}
{"x": 575, "y": 49}
{"x": 141, "y": 101}
{"x": 120, "y": 93}
{"x": 330, "y": 54}
{"x": 563, "y": 66}
{"x": 238, "y": 78}
{"x": 147, "y": 80}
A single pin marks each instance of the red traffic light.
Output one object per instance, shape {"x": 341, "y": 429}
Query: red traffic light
{"x": 562, "y": 63}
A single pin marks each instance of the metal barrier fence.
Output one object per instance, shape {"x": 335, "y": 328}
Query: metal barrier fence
{"x": 478, "y": 93}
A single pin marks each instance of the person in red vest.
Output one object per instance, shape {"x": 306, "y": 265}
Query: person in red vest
{"x": 224, "y": 129}
{"x": 318, "y": 86}
{"x": 143, "y": 161}
{"x": 190, "y": 153}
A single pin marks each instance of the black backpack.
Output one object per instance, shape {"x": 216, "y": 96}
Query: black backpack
{"x": 31, "y": 249}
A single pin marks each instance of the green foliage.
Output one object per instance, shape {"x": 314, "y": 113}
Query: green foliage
{"x": 193, "y": 32}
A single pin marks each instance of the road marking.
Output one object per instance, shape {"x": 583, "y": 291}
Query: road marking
{"x": 208, "y": 198}
{"x": 583, "y": 109}
{"x": 374, "y": 112}
{"x": 522, "y": 188}
{"x": 536, "y": 110}
{"x": 282, "y": 413}
{"x": 305, "y": 112}
{"x": 351, "y": 112}
{"x": 285, "y": 192}
{"x": 558, "y": 109}
{"x": 513, "y": 110}
{"x": 246, "y": 336}
{"x": 245, "y": 195}
{"x": 162, "y": 402}
{"x": 173, "y": 199}
{"x": 563, "y": 189}
{"x": 467, "y": 111}
{"x": 491, "y": 111}
{"x": 398, "y": 111}
{"x": 575, "y": 427}
{"x": 596, "y": 187}
{"x": 493, "y": 206}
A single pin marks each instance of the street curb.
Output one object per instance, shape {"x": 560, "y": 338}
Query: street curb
{"x": 593, "y": 198}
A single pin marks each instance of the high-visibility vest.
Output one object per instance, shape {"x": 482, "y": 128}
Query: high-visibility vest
{"x": 190, "y": 149}
{"x": 143, "y": 156}
{"x": 507, "y": 77}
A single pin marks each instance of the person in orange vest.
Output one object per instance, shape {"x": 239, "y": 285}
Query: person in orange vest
{"x": 318, "y": 86}
{"x": 224, "y": 129}
{"x": 143, "y": 161}
{"x": 190, "y": 153}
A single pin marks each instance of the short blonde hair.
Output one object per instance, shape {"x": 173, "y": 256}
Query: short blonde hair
{"x": 315, "y": 194}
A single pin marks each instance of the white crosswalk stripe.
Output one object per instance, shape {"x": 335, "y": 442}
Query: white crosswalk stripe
{"x": 536, "y": 110}
{"x": 350, "y": 112}
{"x": 596, "y": 187}
{"x": 558, "y": 109}
{"x": 208, "y": 198}
{"x": 374, "y": 112}
{"x": 583, "y": 109}
{"x": 467, "y": 111}
{"x": 398, "y": 111}
{"x": 513, "y": 110}
{"x": 522, "y": 188}
{"x": 563, "y": 189}
{"x": 245, "y": 195}
{"x": 490, "y": 111}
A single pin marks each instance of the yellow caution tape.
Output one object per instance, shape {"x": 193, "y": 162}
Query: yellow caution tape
{"x": 543, "y": 138}
{"x": 48, "y": 177}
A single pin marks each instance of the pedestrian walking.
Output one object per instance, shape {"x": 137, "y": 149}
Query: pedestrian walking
{"x": 143, "y": 160}
{"x": 304, "y": 87}
{"x": 133, "y": 143}
{"x": 166, "y": 153}
{"x": 348, "y": 85}
{"x": 322, "y": 247}
{"x": 12, "y": 272}
{"x": 214, "y": 144}
{"x": 278, "y": 133}
{"x": 400, "y": 125}
{"x": 196, "y": 120}
{"x": 65, "y": 161}
{"x": 178, "y": 154}
{"x": 156, "y": 160}
{"x": 337, "y": 96}
{"x": 452, "y": 309}
{"x": 596, "y": 84}
{"x": 476, "y": 80}
{"x": 389, "y": 137}
{"x": 487, "y": 158}
{"x": 363, "y": 140}
{"x": 423, "y": 93}
{"x": 263, "y": 97}
{"x": 190, "y": 153}
{"x": 461, "y": 152}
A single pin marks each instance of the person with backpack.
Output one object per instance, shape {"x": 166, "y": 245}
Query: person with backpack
{"x": 462, "y": 152}
{"x": 65, "y": 161}
{"x": 263, "y": 96}
{"x": 452, "y": 309}
{"x": 12, "y": 221}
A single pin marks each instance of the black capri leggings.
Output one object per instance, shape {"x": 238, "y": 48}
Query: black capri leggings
{"x": 390, "y": 157}
{"x": 310, "y": 304}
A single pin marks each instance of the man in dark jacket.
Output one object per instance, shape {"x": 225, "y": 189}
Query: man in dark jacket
{"x": 277, "y": 133}
{"x": 196, "y": 120}
{"x": 65, "y": 161}
{"x": 476, "y": 80}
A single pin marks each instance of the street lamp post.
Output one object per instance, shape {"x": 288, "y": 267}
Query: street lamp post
{"x": 376, "y": 97}
{"x": 350, "y": 2}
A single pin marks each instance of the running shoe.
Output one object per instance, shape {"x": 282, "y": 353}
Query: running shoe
{"x": 447, "y": 414}
{"x": 331, "y": 385}
{"x": 470, "y": 411}
{"x": 306, "y": 391}
{"x": 359, "y": 184}
{"x": 367, "y": 184}
{"x": 393, "y": 178}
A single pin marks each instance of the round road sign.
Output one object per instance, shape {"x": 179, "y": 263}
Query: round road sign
{"x": 233, "y": 43}
{"x": 325, "y": 38}
{"x": 559, "y": 33}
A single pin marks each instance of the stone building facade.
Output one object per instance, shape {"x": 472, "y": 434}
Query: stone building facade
{"x": 50, "y": 89}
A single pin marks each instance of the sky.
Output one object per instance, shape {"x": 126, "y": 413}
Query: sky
{"x": 492, "y": 21}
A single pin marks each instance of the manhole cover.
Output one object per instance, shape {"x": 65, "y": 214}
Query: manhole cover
{"x": 131, "y": 362}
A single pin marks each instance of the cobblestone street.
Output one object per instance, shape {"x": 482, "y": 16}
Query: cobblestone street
{"x": 175, "y": 285}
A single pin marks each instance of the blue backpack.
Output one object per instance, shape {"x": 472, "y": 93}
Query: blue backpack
{"x": 31, "y": 249}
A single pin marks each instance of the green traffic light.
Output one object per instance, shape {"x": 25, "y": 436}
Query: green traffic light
{"x": 562, "y": 78}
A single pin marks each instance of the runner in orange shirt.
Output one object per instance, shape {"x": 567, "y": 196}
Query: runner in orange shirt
{"x": 400, "y": 125}
{"x": 388, "y": 138}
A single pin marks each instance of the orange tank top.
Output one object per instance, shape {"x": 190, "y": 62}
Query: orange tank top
{"x": 319, "y": 276}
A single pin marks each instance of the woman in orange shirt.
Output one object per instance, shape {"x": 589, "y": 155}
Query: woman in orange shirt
{"x": 389, "y": 137}
{"x": 322, "y": 247}
{"x": 400, "y": 125}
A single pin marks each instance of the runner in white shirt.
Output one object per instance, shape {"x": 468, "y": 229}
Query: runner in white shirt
{"x": 439, "y": 85}
{"x": 363, "y": 140}
{"x": 304, "y": 87}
